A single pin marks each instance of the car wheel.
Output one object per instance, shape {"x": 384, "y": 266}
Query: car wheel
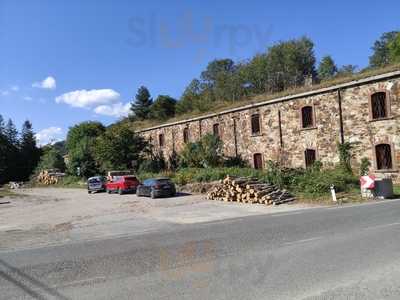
{"x": 120, "y": 191}
{"x": 152, "y": 195}
{"x": 89, "y": 192}
{"x": 108, "y": 191}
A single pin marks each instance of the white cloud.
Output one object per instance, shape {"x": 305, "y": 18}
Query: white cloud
{"x": 4, "y": 93}
{"x": 49, "y": 135}
{"x": 49, "y": 83}
{"x": 28, "y": 98}
{"x": 89, "y": 98}
{"x": 115, "y": 110}
{"x": 15, "y": 88}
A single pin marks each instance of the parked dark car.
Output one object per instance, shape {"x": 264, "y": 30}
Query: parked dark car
{"x": 96, "y": 184}
{"x": 156, "y": 187}
{"x": 122, "y": 184}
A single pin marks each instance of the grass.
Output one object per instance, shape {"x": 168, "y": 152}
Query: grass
{"x": 221, "y": 106}
{"x": 396, "y": 191}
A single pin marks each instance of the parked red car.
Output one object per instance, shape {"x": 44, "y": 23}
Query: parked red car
{"x": 122, "y": 184}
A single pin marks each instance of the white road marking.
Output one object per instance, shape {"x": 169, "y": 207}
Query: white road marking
{"x": 303, "y": 241}
{"x": 382, "y": 226}
{"x": 82, "y": 282}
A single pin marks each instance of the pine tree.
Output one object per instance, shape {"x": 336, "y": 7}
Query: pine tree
{"x": 3, "y": 152}
{"x": 327, "y": 68}
{"x": 29, "y": 153}
{"x": 141, "y": 107}
{"x": 11, "y": 133}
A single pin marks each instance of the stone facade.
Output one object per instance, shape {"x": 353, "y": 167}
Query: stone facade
{"x": 339, "y": 113}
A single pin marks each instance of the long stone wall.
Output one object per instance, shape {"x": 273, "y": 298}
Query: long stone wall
{"x": 340, "y": 113}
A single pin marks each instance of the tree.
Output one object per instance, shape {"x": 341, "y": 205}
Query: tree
{"x": 290, "y": 63}
{"x": 51, "y": 159}
{"x": 11, "y": 133}
{"x": 381, "y": 51}
{"x": 141, "y": 107}
{"x": 346, "y": 70}
{"x": 327, "y": 68}
{"x": 163, "y": 108}
{"x": 80, "y": 143}
{"x": 12, "y": 151}
{"x": 190, "y": 98}
{"x": 29, "y": 152}
{"x": 255, "y": 73}
{"x": 394, "y": 49}
{"x": 4, "y": 147}
{"x": 120, "y": 148}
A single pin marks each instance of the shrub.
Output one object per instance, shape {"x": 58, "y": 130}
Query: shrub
{"x": 156, "y": 163}
{"x": 317, "y": 182}
{"x": 364, "y": 166}
{"x": 203, "y": 154}
{"x": 235, "y": 161}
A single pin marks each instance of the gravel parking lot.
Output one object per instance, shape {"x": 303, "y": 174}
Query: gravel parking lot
{"x": 47, "y": 216}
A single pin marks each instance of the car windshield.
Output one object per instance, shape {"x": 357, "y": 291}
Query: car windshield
{"x": 130, "y": 178}
{"x": 163, "y": 181}
{"x": 94, "y": 180}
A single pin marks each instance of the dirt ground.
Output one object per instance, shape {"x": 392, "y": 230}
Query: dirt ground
{"x": 47, "y": 216}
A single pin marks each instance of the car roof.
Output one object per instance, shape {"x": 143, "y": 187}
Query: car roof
{"x": 95, "y": 177}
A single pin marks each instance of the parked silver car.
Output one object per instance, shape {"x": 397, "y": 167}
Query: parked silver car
{"x": 96, "y": 184}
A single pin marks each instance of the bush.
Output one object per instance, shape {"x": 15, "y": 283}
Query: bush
{"x": 235, "y": 161}
{"x": 317, "y": 182}
{"x": 364, "y": 166}
{"x": 203, "y": 154}
{"x": 156, "y": 163}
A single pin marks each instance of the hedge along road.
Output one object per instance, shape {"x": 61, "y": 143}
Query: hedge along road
{"x": 43, "y": 216}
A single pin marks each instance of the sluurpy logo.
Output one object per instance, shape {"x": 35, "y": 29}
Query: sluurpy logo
{"x": 202, "y": 34}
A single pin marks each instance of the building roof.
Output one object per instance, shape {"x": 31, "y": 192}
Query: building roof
{"x": 334, "y": 87}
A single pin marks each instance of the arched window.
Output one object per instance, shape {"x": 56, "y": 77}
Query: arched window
{"x": 255, "y": 124}
{"x": 186, "y": 135}
{"x": 379, "y": 107}
{"x": 310, "y": 157}
{"x": 383, "y": 154}
{"x": 307, "y": 117}
{"x": 161, "y": 140}
{"x": 216, "y": 129}
{"x": 258, "y": 164}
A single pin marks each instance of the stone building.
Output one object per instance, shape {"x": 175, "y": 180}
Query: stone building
{"x": 300, "y": 129}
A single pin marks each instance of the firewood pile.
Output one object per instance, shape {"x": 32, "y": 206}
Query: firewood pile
{"x": 49, "y": 177}
{"x": 249, "y": 190}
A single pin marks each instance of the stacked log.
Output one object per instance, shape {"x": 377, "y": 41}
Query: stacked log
{"x": 49, "y": 178}
{"x": 249, "y": 190}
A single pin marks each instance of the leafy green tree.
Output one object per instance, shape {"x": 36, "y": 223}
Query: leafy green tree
{"x": 381, "y": 51}
{"x": 80, "y": 143}
{"x": 327, "y": 68}
{"x": 255, "y": 74}
{"x": 163, "y": 107}
{"x": 191, "y": 97}
{"x": 140, "y": 108}
{"x": 394, "y": 49}
{"x": 29, "y": 152}
{"x": 120, "y": 148}
{"x": 51, "y": 159}
{"x": 290, "y": 63}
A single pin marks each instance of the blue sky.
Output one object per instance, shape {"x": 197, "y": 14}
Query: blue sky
{"x": 64, "y": 62}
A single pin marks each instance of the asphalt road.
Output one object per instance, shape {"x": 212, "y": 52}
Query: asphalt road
{"x": 324, "y": 253}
